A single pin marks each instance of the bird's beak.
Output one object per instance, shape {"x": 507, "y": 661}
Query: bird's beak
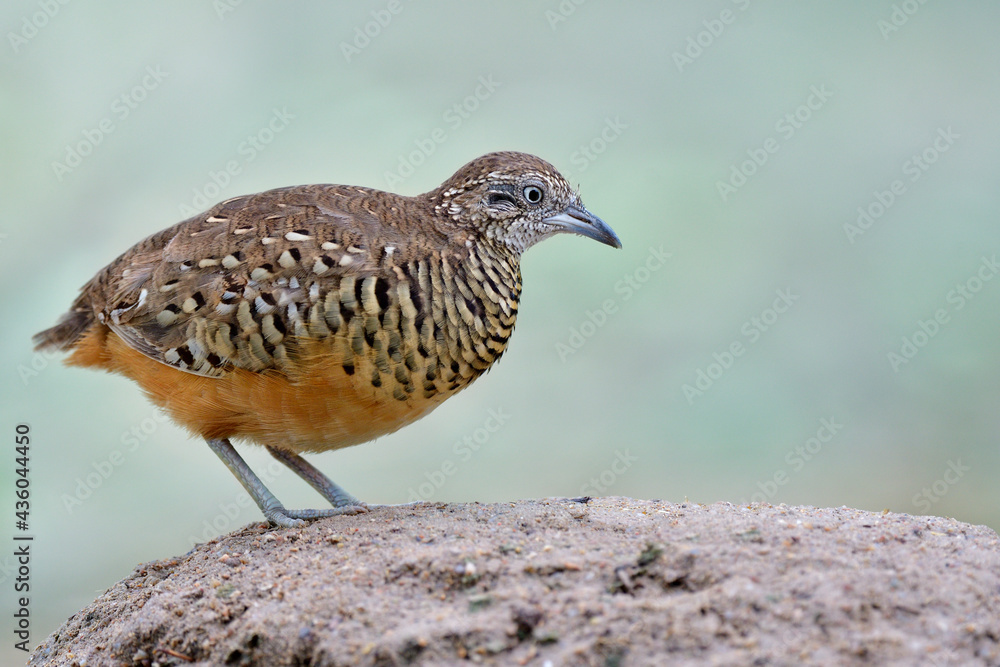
{"x": 579, "y": 220}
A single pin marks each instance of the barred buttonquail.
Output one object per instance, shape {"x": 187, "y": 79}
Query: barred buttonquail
{"x": 317, "y": 317}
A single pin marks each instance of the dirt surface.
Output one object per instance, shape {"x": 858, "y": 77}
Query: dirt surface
{"x": 611, "y": 582}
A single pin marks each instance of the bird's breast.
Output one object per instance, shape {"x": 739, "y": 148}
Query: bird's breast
{"x": 435, "y": 325}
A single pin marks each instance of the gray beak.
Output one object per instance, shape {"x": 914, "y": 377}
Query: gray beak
{"x": 579, "y": 220}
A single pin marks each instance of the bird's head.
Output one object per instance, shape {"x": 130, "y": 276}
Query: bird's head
{"x": 517, "y": 200}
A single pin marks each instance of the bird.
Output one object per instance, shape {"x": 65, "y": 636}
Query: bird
{"x": 311, "y": 318}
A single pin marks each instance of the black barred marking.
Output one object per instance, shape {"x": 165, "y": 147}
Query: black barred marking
{"x": 411, "y": 363}
{"x": 382, "y": 294}
{"x": 267, "y": 345}
{"x": 199, "y": 299}
{"x": 346, "y": 313}
{"x": 382, "y": 361}
{"x": 358, "y": 285}
{"x": 294, "y": 252}
{"x": 418, "y": 302}
{"x": 415, "y": 296}
{"x": 489, "y": 281}
{"x": 172, "y": 308}
{"x": 214, "y": 359}
{"x": 376, "y": 379}
{"x": 476, "y": 308}
{"x": 327, "y": 261}
{"x": 334, "y": 327}
{"x": 185, "y": 355}
{"x": 349, "y": 369}
{"x": 268, "y": 299}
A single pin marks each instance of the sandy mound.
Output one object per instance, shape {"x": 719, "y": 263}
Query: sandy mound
{"x": 611, "y": 582}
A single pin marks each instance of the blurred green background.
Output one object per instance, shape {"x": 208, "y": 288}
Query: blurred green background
{"x": 739, "y": 348}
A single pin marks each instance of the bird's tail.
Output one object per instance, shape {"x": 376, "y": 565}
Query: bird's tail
{"x": 68, "y": 331}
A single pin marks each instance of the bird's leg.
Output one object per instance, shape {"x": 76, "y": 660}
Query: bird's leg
{"x": 317, "y": 480}
{"x": 273, "y": 510}
{"x": 327, "y": 488}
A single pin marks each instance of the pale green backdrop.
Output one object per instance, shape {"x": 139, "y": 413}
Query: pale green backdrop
{"x": 738, "y": 348}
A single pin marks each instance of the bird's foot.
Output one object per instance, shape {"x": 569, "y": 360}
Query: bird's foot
{"x": 412, "y": 503}
{"x": 286, "y": 518}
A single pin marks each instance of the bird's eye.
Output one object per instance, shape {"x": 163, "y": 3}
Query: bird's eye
{"x": 533, "y": 194}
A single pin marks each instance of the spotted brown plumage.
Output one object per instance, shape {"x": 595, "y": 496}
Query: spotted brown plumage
{"x": 317, "y": 317}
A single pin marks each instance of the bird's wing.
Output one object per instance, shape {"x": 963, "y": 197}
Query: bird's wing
{"x": 242, "y": 285}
